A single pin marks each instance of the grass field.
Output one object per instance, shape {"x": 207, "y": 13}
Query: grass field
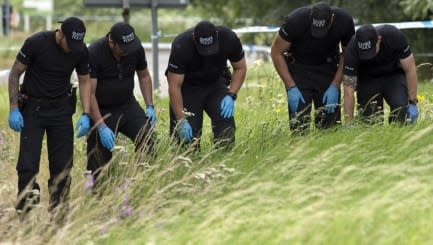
{"x": 364, "y": 185}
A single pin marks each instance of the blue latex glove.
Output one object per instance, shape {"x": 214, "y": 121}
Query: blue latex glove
{"x": 150, "y": 113}
{"x": 16, "y": 121}
{"x": 83, "y": 125}
{"x": 106, "y": 136}
{"x": 412, "y": 113}
{"x": 330, "y": 98}
{"x": 293, "y": 97}
{"x": 184, "y": 130}
{"x": 227, "y": 106}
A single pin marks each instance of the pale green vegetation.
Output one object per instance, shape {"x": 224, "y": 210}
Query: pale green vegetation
{"x": 365, "y": 185}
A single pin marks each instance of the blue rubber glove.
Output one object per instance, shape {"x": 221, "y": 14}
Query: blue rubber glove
{"x": 184, "y": 130}
{"x": 106, "y": 136}
{"x": 412, "y": 113}
{"x": 227, "y": 107}
{"x": 16, "y": 121}
{"x": 83, "y": 125}
{"x": 150, "y": 113}
{"x": 293, "y": 97}
{"x": 330, "y": 98}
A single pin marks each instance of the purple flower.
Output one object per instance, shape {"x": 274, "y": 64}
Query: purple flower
{"x": 90, "y": 181}
{"x": 125, "y": 211}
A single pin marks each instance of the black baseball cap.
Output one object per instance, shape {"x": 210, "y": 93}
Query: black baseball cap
{"x": 206, "y": 38}
{"x": 74, "y": 30}
{"x": 366, "y": 39}
{"x": 320, "y": 17}
{"x": 124, "y": 35}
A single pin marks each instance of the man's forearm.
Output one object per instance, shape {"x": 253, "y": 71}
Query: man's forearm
{"x": 85, "y": 92}
{"x": 238, "y": 78}
{"x": 349, "y": 106}
{"x": 13, "y": 88}
{"x": 146, "y": 89}
{"x": 282, "y": 70}
{"x": 412, "y": 84}
{"x": 339, "y": 74}
{"x": 176, "y": 102}
{"x": 349, "y": 83}
{"x": 14, "y": 82}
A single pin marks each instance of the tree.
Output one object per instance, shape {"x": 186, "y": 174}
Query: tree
{"x": 418, "y": 9}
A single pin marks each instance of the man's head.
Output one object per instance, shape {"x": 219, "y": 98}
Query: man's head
{"x": 206, "y": 38}
{"x": 73, "y": 30}
{"x": 366, "y": 38}
{"x": 123, "y": 35}
{"x": 321, "y": 17}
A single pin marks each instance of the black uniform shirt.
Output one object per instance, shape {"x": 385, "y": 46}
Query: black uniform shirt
{"x": 393, "y": 47}
{"x": 313, "y": 51}
{"x": 49, "y": 68}
{"x": 115, "y": 79}
{"x": 203, "y": 70}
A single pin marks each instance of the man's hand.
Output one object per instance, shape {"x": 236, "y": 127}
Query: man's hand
{"x": 412, "y": 113}
{"x": 16, "y": 121}
{"x": 83, "y": 125}
{"x": 227, "y": 107}
{"x": 330, "y": 98}
{"x": 293, "y": 98}
{"x": 150, "y": 113}
{"x": 106, "y": 136}
{"x": 184, "y": 131}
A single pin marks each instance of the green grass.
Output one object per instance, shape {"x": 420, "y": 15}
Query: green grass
{"x": 365, "y": 185}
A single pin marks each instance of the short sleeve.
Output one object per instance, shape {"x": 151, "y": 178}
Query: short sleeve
{"x": 27, "y": 52}
{"x": 236, "y": 52}
{"x": 141, "y": 59}
{"x": 175, "y": 61}
{"x": 351, "y": 61}
{"x": 401, "y": 45}
{"x": 82, "y": 66}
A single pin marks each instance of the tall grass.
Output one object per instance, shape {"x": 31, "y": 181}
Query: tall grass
{"x": 365, "y": 185}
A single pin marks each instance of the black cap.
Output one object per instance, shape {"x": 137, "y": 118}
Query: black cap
{"x": 366, "y": 39}
{"x": 74, "y": 30}
{"x": 206, "y": 38}
{"x": 321, "y": 16}
{"x": 124, "y": 35}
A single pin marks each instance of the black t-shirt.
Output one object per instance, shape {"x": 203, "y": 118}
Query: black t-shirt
{"x": 313, "y": 51}
{"x": 49, "y": 68}
{"x": 203, "y": 70}
{"x": 393, "y": 47}
{"x": 115, "y": 79}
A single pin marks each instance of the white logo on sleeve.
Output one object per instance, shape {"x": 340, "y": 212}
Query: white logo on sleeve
{"x": 349, "y": 68}
{"x": 364, "y": 45}
{"x": 22, "y": 54}
{"x": 173, "y": 65}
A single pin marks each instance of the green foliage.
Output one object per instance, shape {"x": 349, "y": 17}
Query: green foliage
{"x": 365, "y": 185}
{"x": 418, "y": 9}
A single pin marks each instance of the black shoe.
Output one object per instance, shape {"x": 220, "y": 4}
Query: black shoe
{"x": 29, "y": 201}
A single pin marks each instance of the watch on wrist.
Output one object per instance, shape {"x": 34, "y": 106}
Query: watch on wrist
{"x": 413, "y": 102}
{"x": 233, "y": 95}
{"x": 85, "y": 114}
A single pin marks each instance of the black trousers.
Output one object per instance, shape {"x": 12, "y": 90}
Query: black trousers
{"x": 128, "y": 119}
{"x": 55, "y": 119}
{"x": 372, "y": 91}
{"x": 197, "y": 99}
{"x": 313, "y": 81}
